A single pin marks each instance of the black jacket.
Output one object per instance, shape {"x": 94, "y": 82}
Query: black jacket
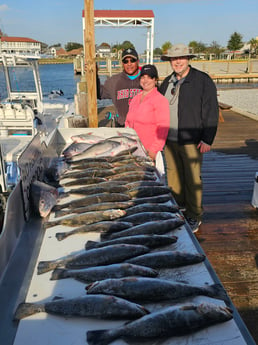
{"x": 197, "y": 108}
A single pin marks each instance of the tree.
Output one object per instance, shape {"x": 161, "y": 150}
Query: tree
{"x": 121, "y": 46}
{"x": 253, "y": 46}
{"x": 166, "y": 46}
{"x": 235, "y": 41}
{"x": 215, "y": 49}
{"x": 157, "y": 51}
{"x": 72, "y": 45}
{"x": 197, "y": 47}
{"x": 56, "y": 46}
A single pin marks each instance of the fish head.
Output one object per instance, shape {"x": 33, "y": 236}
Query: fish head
{"x": 214, "y": 311}
{"x": 46, "y": 202}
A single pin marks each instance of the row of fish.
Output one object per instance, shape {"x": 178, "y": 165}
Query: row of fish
{"x": 117, "y": 194}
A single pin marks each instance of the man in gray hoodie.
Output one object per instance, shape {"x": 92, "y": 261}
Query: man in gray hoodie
{"x": 122, "y": 87}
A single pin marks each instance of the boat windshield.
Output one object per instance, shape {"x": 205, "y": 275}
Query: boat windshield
{"x": 21, "y": 79}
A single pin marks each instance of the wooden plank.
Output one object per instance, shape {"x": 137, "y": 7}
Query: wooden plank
{"x": 229, "y": 232}
{"x": 89, "y": 46}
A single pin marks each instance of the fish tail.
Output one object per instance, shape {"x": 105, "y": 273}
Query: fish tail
{"x": 61, "y": 236}
{"x": 26, "y": 309}
{"x": 218, "y": 291}
{"x": 90, "y": 244}
{"x": 49, "y": 225}
{"x": 100, "y": 337}
{"x": 60, "y": 213}
{"x": 59, "y": 207}
{"x": 58, "y": 273}
{"x": 45, "y": 266}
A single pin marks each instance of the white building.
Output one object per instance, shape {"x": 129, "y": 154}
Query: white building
{"x": 19, "y": 45}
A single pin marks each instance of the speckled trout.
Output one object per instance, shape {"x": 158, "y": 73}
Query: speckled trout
{"x": 100, "y": 306}
{"x": 167, "y": 322}
{"x": 86, "y": 218}
{"x": 94, "y": 257}
{"x": 92, "y": 274}
{"x": 153, "y": 289}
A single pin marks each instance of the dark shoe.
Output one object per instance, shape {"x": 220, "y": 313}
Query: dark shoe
{"x": 182, "y": 208}
{"x": 194, "y": 224}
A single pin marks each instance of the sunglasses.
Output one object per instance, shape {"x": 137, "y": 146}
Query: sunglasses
{"x": 173, "y": 91}
{"x": 125, "y": 61}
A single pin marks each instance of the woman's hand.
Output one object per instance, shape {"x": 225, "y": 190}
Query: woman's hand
{"x": 152, "y": 155}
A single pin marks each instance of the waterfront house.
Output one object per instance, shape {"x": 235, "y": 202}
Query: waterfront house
{"x": 19, "y": 45}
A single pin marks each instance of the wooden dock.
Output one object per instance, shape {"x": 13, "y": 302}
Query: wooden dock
{"x": 229, "y": 233}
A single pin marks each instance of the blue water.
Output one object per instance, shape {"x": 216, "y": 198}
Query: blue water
{"x": 52, "y": 76}
{"x": 61, "y": 76}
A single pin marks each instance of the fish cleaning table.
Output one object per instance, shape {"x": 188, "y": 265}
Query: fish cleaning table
{"x": 42, "y": 328}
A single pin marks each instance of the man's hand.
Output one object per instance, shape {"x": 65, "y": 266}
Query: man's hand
{"x": 203, "y": 147}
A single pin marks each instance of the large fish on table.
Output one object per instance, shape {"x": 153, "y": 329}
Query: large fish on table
{"x": 96, "y": 207}
{"x": 157, "y": 227}
{"x": 153, "y": 289}
{"x": 168, "y": 259}
{"x": 74, "y": 149}
{"x": 83, "y": 181}
{"x": 92, "y": 274}
{"x": 102, "y": 227}
{"x": 102, "y": 148}
{"x": 112, "y": 188}
{"x": 94, "y": 257}
{"x": 124, "y": 140}
{"x": 87, "y": 173}
{"x": 88, "y": 138}
{"x": 133, "y": 176}
{"x": 167, "y": 322}
{"x": 151, "y": 207}
{"x": 93, "y": 199}
{"x": 86, "y": 218}
{"x": 151, "y": 241}
{"x": 99, "y": 306}
{"x": 147, "y": 191}
{"x": 143, "y": 217}
{"x": 153, "y": 199}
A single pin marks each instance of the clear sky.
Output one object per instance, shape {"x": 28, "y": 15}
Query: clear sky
{"x": 177, "y": 21}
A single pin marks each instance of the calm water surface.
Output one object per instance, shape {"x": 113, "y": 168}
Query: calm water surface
{"x": 59, "y": 76}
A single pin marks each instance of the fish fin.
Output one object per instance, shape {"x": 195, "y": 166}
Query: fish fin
{"x": 218, "y": 291}
{"x": 90, "y": 244}
{"x": 99, "y": 337}
{"x": 26, "y": 309}
{"x": 61, "y": 236}
{"x": 47, "y": 225}
{"x": 45, "y": 266}
{"x": 58, "y": 273}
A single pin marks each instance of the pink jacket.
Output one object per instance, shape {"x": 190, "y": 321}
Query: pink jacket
{"x": 150, "y": 119}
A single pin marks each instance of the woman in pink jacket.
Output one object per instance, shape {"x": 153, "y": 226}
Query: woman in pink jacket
{"x": 148, "y": 113}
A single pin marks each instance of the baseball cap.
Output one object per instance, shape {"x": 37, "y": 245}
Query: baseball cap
{"x": 176, "y": 51}
{"x": 130, "y": 52}
{"x": 150, "y": 70}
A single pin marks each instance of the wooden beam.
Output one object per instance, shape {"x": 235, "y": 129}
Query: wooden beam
{"x": 90, "y": 63}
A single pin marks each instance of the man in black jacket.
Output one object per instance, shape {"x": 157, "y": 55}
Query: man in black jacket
{"x": 193, "y": 124}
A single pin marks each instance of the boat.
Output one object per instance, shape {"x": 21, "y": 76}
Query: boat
{"x": 25, "y": 112}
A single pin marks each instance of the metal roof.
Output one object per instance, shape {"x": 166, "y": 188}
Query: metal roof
{"x": 123, "y": 13}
